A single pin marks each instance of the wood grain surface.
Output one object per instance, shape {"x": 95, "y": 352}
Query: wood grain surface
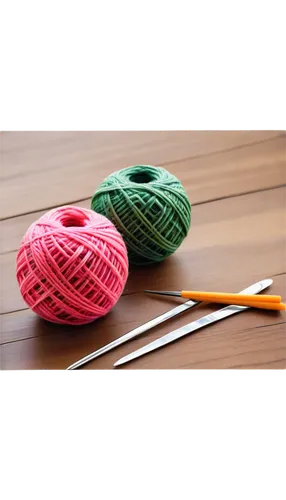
{"x": 236, "y": 184}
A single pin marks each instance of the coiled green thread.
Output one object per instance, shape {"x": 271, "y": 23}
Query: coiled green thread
{"x": 149, "y": 207}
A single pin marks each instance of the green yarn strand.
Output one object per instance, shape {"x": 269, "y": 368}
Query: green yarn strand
{"x": 149, "y": 207}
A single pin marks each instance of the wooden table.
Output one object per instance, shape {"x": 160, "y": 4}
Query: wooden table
{"x": 236, "y": 184}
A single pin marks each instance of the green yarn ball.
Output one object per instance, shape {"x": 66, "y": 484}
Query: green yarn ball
{"x": 149, "y": 207}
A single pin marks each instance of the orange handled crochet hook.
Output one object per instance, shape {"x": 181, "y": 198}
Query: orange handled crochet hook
{"x": 258, "y": 301}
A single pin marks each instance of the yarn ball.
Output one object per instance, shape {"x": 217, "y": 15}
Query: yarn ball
{"x": 72, "y": 266}
{"x": 149, "y": 207}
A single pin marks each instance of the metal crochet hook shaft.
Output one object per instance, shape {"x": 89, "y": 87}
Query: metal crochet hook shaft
{"x": 134, "y": 333}
{"x": 195, "y": 325}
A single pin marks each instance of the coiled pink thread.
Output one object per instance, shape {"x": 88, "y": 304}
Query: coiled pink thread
{"x": 72, "y": 266}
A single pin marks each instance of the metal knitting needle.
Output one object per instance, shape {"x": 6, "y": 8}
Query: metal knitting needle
{"x": 195, "y": 325}
{"x": 134, "y": 333}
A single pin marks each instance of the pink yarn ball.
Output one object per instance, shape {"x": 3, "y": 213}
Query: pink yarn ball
{"x": 72, "y": 266}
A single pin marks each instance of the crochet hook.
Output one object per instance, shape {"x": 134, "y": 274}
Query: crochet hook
{"x": 271, "y": 302}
